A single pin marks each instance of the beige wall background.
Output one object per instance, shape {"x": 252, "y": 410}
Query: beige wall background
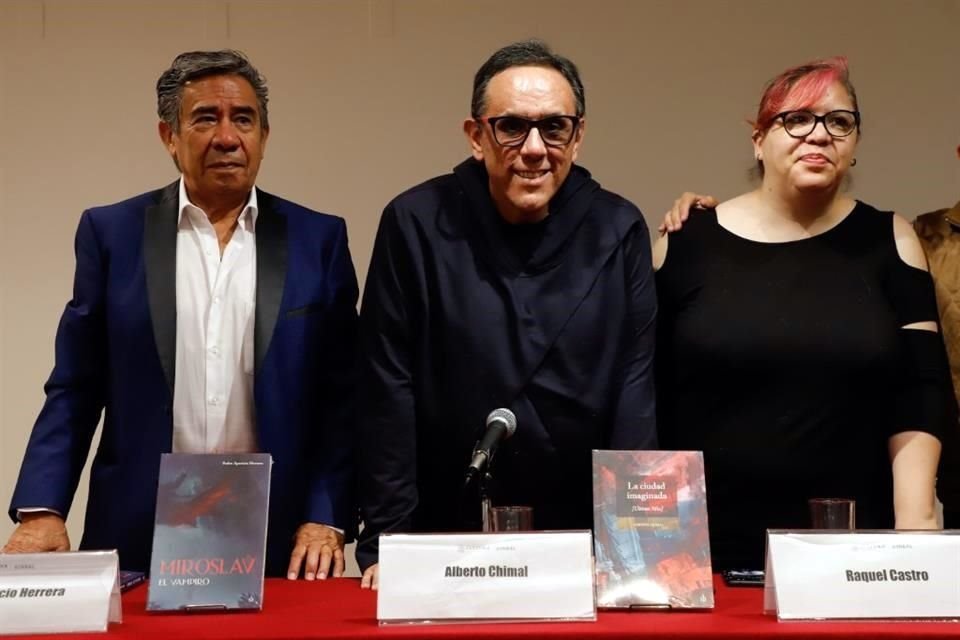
{"x": 367, "y": 98}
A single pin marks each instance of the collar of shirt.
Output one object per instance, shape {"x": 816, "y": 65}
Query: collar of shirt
{"x": 247, "y": 218}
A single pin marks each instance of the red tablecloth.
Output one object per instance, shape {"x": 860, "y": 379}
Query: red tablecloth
{"x": 340, "y": 609}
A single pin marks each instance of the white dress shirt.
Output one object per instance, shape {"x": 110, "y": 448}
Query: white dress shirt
{"x": 213, "y": 409}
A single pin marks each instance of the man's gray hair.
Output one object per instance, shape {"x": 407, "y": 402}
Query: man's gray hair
{"x": 200, "y": 64}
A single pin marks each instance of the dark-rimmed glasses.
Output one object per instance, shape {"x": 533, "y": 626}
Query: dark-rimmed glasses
{"x": 512, "y": 131}
{"x": 839, "y": 124}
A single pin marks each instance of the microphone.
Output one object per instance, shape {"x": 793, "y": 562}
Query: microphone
{"x": 501, "y": 423}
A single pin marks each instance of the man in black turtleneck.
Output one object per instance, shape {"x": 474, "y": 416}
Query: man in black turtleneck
{"x": 517, "y": 282}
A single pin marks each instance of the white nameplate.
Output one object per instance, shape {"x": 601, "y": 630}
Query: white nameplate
{"x": 824, "y": 575}
{"x": 58, "y": 592}
{"x": 486, "y": 576}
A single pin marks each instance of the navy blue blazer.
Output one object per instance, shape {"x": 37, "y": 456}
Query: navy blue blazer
{"x": 115, "y": 353}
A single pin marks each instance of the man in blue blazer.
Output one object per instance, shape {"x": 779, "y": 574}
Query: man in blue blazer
{"x": 207, "y": 316}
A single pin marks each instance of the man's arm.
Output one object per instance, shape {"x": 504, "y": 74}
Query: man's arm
{"x": 634, "y": 415}
{"x": 76, "y": 390}
{"x": 928, "y": 229}
{"x": 387, "y": 425}
{"x": 331, "y": 515}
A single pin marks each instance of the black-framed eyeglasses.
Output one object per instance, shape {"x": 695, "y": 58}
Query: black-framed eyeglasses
{"x": 839, "y": 124}
{"x": 512, "y": 131}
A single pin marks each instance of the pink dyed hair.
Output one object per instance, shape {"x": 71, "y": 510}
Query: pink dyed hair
{"x": 800, "y": 87}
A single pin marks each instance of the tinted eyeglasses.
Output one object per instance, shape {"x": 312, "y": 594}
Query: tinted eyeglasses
{"x": 512, "y": 131}
{"x": 839, "y": 124}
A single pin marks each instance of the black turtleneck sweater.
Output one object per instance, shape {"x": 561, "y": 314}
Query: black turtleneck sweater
{"x": 463, "y": 314}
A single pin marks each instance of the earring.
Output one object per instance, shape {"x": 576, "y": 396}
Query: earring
{"x": 853, "y": 162}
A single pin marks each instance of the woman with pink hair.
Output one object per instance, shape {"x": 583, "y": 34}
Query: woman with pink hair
{"x": 798, "y": 344}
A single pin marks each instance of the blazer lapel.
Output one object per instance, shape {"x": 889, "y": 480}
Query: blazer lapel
{"x": 160, "y": 265}
{"x": 271, "y": 235}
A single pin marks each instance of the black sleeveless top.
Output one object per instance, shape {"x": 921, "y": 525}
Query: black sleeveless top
{"x": 783, "y": 363}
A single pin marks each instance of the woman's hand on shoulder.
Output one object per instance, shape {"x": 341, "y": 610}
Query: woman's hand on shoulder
{"x": 673, "y": 220}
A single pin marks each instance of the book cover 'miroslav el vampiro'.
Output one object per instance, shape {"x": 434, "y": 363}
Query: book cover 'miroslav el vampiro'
{"x": 651, "y": 537}
{"x": 210, "y": 533}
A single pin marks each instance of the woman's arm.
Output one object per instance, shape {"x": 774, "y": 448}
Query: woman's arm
{"x": 914, "y": 456}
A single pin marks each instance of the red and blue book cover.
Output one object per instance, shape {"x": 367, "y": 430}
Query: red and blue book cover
{"x": 210, "y": 536}
{"x": 651, "y": 538}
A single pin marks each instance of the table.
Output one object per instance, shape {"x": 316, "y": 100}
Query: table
{"x": 338, "y": 608}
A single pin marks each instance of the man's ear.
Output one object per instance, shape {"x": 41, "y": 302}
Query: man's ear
{"x": 263, "y": 142}
{"x": 169, "y": 140}
{"x": 166, "y": 136}
{"x": 578, "y": 139}
{"x": 472, "y": 129}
